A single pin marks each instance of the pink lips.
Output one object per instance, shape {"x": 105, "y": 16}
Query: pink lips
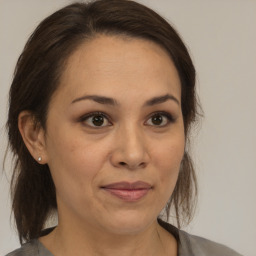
{"x": 128, "y": 191}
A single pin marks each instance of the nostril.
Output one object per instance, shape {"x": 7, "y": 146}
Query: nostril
{"x": 142, "y": 165}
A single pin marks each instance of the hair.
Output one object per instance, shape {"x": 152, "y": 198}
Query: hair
{"x": 36, "y": 78}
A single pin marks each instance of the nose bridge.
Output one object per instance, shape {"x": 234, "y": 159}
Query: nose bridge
{"x": 131, "y": 148}
{"x": 133, "y": 140}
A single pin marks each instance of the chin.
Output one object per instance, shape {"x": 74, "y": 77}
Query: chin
{"x": 129, "y": 222}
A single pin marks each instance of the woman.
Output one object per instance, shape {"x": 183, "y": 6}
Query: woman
{"x": 101, "y": 106}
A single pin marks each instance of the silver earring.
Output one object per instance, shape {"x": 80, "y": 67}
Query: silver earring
{"x": 39, "y": 159}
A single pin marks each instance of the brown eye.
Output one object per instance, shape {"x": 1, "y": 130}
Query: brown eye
{"x": 157, "y": 119}
{"x": 160, "y": 119}
{"x": 96, "y": 120}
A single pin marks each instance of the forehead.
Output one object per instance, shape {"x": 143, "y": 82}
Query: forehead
{"x": 108, "y": 63}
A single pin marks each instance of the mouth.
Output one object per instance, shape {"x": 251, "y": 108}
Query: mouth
{"x": 127, "y": 191}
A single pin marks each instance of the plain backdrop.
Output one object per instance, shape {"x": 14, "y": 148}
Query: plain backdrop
{"x": 221, "y": 36}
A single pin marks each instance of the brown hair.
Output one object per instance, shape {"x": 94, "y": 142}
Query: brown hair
{"x": 36, "y": 77}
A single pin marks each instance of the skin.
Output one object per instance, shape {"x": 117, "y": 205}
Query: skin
{"x": 128, "y": 146}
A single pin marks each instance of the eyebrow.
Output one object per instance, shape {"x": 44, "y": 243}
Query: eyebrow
{"x": 110, "y": 101}
{"x": 161, "y": 99}
{"x": 98, "y": 99}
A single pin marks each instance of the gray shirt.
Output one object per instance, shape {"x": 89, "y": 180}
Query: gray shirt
{"x": 188, "y": 245}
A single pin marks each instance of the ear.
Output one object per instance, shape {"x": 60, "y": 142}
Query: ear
{"x": 33, "y": 136}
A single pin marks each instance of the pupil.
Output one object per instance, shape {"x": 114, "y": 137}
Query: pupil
{"x": 157, "y": 120}
{"x": 98, "y": 120}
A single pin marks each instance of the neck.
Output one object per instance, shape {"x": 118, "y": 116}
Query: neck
{"x": 77, "y": 240}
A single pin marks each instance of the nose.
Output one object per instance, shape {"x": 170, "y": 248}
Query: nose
{"x": 130, "y": 150}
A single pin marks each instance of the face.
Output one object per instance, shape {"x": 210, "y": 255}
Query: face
{"x": 115, "y": 135}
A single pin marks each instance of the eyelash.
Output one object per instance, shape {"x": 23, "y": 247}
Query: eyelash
{"x": 93, "y": 114}
{"x": 167, "y": 115}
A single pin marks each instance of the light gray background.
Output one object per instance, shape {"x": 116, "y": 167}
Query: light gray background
{"x": 221, "y": 35}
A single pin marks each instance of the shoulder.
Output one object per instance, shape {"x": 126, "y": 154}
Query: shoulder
{"x": 195, "y": 245}
{"x": 191, "y": 245}
{"x": 27, "y": 249}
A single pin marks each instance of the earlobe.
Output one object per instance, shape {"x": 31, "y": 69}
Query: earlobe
{"x": 33, "y": 136}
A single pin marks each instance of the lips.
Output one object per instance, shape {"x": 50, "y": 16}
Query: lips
{"x": 128, "y": 191}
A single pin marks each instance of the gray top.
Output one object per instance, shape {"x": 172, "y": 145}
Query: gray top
{"x": 188, "y": 245}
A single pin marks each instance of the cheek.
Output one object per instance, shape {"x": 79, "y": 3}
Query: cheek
{"x": 168, "y": 157}
{"x": 73, "y": 162}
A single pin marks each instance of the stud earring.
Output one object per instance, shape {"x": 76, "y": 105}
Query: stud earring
{"x": 39, "y": 159}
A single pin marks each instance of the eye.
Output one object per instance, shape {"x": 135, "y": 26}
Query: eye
{"x": 96, "y": 119}
{"x": 160, "y": 119}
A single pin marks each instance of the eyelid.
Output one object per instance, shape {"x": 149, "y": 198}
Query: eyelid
{"x": 85, "y": 117}
{"x": 169, "y": 116}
